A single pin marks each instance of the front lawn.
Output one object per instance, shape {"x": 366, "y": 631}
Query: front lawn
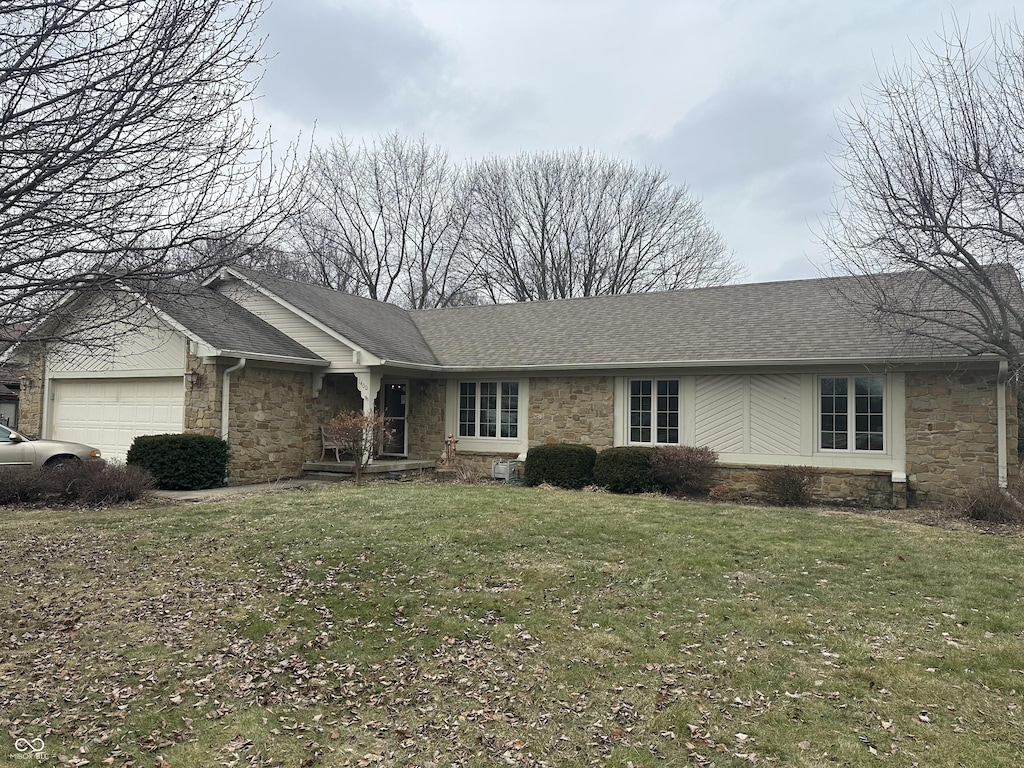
{"x": 407, "y": 625}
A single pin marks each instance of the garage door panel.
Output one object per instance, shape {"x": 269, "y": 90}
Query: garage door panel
{"x": 110, "y": 413}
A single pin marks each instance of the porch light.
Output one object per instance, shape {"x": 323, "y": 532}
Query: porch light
{"x": 194, "y": 378}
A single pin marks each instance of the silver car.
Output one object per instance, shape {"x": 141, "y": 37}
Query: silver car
{"x": 16, "y": 450}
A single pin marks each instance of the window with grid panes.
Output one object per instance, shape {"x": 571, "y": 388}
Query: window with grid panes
{"x": 489, "y": 409}
{"x": 852, "y": 413}
{"x": 654, "y": 411}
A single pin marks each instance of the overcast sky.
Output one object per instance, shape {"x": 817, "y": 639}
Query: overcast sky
{"x": 736, "y": 99}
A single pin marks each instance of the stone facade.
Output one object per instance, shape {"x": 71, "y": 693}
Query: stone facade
{"x": 478, "y": 464}
{"x": 30, "y": 397}
{"x": 425, "y": 418}
{"x": 202, "y": 400}
{"x": 562, "y": 409}
{"x": 952, "y": 432}
{"x": 860, "y": 488}
{"x": 568, "y": 409}
{"x": 274, "y": 417}
{"x": 951, "y": 425}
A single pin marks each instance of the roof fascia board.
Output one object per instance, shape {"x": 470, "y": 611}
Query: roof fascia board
{"x": 251, "y": 356}
{"x": 752, "y": 363}
{"x": 295, "y": 311}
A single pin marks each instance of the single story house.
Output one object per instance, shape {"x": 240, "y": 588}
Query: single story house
{"x": 767, "y": 374}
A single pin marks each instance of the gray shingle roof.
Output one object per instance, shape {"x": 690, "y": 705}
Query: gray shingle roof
{"x": 782, "y": 321}
{"x": 385, "y": 330}
{"x": 226, "y": 326}
{"x": 801, "y": 320}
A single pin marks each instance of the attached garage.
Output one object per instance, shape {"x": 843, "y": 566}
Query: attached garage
{"x": 109, "y": 413}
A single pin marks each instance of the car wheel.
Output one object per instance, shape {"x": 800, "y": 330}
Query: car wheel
{"x": 62, "y": 462}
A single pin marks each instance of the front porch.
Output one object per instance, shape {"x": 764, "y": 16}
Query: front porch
{"x": 343, "y": 469}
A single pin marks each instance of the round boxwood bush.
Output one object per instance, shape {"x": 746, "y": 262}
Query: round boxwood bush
{"x": 627, "y": 469}
{"x": 564, "y": 465}
{"x": 181, "y": 462}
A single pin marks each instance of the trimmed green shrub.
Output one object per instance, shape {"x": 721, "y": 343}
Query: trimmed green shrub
{"x": 684, "y": 469}
{"x": 627, "y": 469}
{"x": 181, "y": 462}
{"x": 787, "y": 486}
{"x": 564, "y": 465}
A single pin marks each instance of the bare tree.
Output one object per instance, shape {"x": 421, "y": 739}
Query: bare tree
{"x": 557, "y": 225}
{"x": 125, "y": 143}
{"x": 387, "y": 220}
{"x": 933, "y": 186}
{"x": 360, "y": 435}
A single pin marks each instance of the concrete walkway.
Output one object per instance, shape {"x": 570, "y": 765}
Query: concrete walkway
{"x": 229, "y": 492}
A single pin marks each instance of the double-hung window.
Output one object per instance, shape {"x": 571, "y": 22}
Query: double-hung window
{"x": 489, "y": 409}
{"x": 654, "y": 411}
{"x": 852, "y": 413}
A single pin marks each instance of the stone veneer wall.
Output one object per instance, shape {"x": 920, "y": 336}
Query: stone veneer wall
{"x": 202, "y": 402}
{"x": 274, "y": 418}
{"x": 856, "y": 487}
{"x": 30, "y": 398}
{"x": 952, "y": 431}
{"x": 339, "y": 392}
{"x": 572, "y": 410}
{"x": 425, "y": 418}
{"x": 562, "y": 409}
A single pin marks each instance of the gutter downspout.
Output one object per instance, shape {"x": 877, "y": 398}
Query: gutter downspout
{"x": 225, "y": 397}
{"x": 1001, "y": 420}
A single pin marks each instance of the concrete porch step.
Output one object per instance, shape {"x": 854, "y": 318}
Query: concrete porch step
{"x": 379, "y": 467}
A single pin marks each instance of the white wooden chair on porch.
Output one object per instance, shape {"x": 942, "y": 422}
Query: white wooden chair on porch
{"x": 328, "y": 443}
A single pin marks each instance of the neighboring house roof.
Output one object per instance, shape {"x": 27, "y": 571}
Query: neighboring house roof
{"x": 10, "y": 374}
{"x": 385, "y": 330}
{"x": 227, "y": 327}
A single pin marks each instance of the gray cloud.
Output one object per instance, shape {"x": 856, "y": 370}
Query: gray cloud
{"x": 769, "y": 141}
{"x": 351, "y": 65}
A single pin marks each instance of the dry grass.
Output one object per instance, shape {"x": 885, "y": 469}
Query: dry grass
{"x": 403, "y": 624}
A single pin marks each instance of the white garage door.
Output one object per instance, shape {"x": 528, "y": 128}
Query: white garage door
{"x": 109, "y": 413}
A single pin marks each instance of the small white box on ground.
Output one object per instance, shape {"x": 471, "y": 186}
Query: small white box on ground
{"x": 505, "y": 470}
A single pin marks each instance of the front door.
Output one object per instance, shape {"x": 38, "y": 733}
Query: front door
{"x": 393, "y": 396}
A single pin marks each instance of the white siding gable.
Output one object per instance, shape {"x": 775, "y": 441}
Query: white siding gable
{"x": 290, "y": 324}
{"x": 142, "y": 345}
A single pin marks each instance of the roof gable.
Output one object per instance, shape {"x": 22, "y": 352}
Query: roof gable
{"x": 384, "y": 330}
{"x": 223, "y": 325}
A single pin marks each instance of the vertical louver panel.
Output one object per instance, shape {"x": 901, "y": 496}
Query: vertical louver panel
{"x": 775, "y": 424}
{"x": 720, "y": 413}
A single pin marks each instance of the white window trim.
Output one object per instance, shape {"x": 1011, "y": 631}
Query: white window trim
{"x": 892, "y": 459}
{"x": 682, "y": 410}
{"x": 488, "y": 444}
{"x": 887, "y": 420}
